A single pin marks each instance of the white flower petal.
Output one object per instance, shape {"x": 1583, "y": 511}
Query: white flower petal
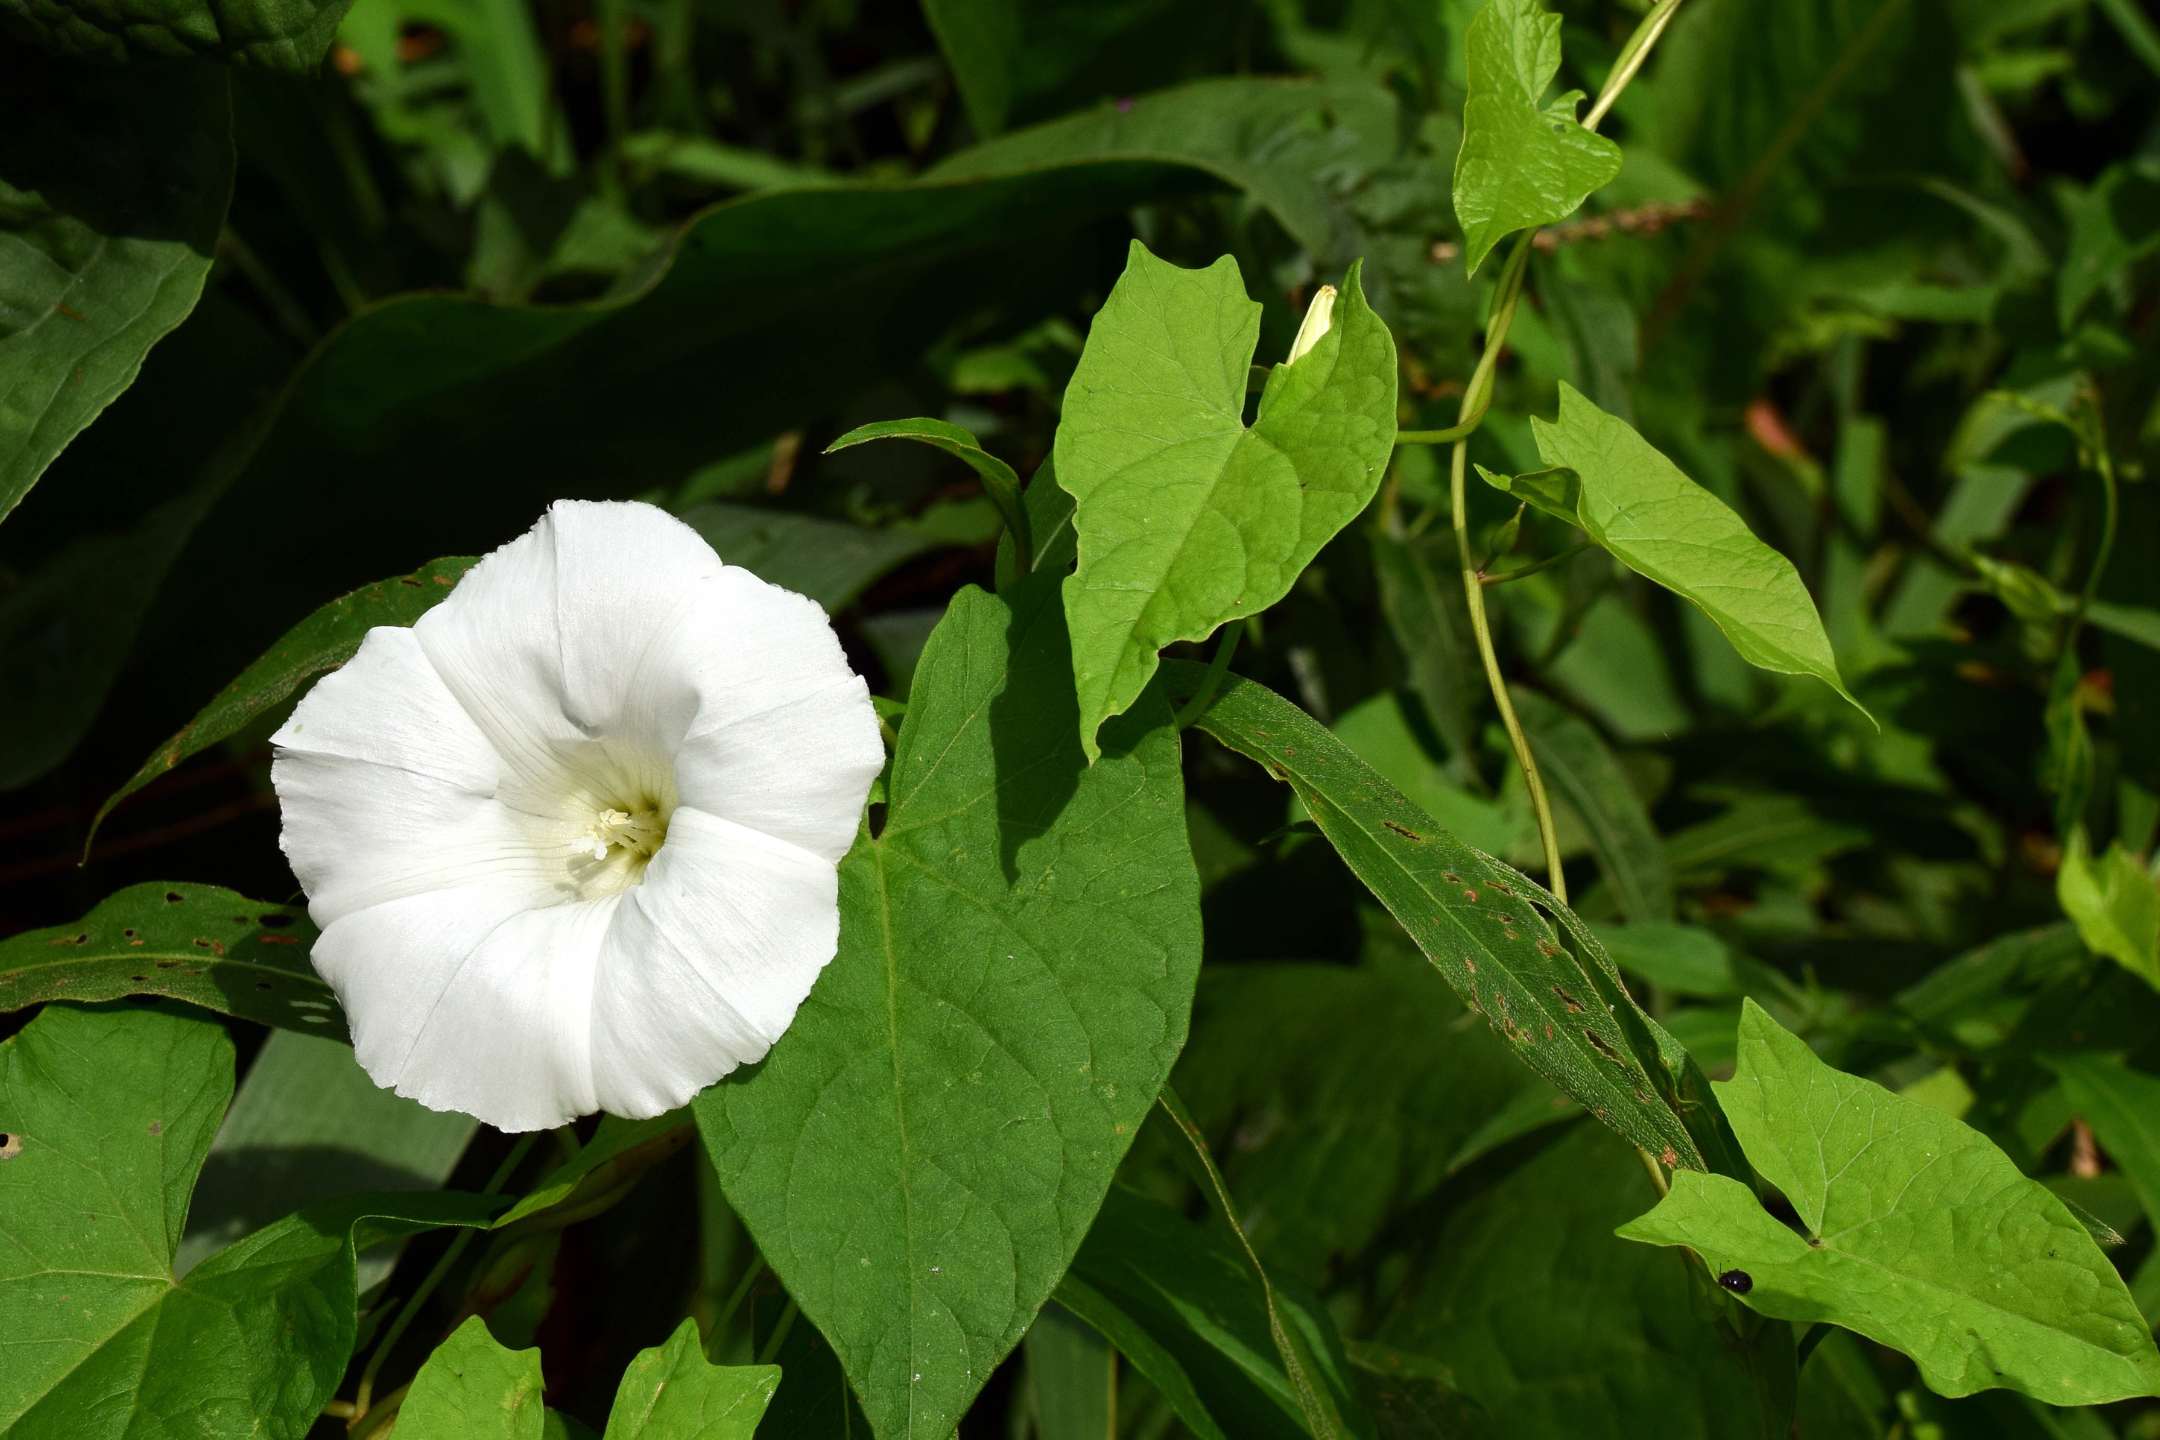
{"x": 752, "y": 695}
{"x": 470, "y": 1000}
{"x": 495, "y": 644}
{"x": 387, "y": 706}
{"x": 359, "y": 834}
{"x": 797, "y": 772}
{"x": 624, "y": 575}
{"x": 707, "y": 962}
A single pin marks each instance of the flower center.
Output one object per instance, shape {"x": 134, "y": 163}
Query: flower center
{"x": 640, "y": 832}
{"x": 610, "y": 855}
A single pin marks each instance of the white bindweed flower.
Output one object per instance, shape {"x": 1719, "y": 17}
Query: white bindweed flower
{"x": 572, "y": 838}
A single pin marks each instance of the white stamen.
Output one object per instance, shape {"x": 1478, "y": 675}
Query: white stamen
{"x": 640, "y": 832}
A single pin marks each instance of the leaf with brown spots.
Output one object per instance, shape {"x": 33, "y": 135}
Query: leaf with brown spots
{"x": 197, "y": 943}
{"x": 1539, "y": 966}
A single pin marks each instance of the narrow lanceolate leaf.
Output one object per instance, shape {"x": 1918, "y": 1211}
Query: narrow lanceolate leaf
{"x": 107, "y": 1115}
{"x": 1523, "y": 161}
{"x": 672, "y": 1392}
{"x": 317, "y": 645}
{"x": 1186, "y": 517}
{"x": 472, "y": 1388}
{"x": 1072, "y": 1377}
{"x": 110, "y": 206}
{"x": 1916, "y": 1232}
{"x": 998, "y": 478}
{"x": 289, "y": 35}
{"x": 1320, "y": 1405}
{"x": 197, "y": 943}
{"x": 2115, "y": 904}
{"x": 619, "y": 1151}
{"x": 1178, "y": 1300}
{"x": 1633, "y": 501}
{"x": 1018, "y": 947}
{"x": 1516, "y": 955}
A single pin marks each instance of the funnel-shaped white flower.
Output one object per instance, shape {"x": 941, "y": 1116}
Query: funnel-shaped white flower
{"x": 571, "y": 839}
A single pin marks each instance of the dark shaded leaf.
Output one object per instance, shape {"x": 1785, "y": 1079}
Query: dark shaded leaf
{"x": 110, "y": 206}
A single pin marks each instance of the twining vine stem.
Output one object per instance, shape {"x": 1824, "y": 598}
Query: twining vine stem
{"x": 1476, "y": 399}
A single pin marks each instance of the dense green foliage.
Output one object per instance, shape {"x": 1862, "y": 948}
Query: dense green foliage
{"x": 1518, "y": 647}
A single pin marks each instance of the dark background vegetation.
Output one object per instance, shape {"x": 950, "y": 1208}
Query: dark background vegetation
{"x": 1842, "y": 225}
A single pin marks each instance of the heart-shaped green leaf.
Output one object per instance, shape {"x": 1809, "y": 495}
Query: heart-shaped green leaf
{"x": 105, "y": 1117}
{"x": 921, "y": 1156}
{"x": 472, "y": 1388}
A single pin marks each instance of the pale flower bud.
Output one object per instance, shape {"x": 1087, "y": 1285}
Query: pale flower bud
{"x": 1318, "y": 317}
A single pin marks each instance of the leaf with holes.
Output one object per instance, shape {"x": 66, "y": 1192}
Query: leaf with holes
{"x": 1186, "y": 517}
{"x": 1918, "y": 1233}
{"x": 1634, "y": 502}
{"x": 317, "y": 645}
{"x": 1524, "y": 161}
{"x": 110, "y": 205}
{"x": 197, "y": 943}
{"x": 1516, "y": 955}
{"x": 108, "y": 1115}
{"x": 920, "y": 1158}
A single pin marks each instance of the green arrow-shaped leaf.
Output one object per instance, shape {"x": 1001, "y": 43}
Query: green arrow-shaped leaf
{"x": 1630, "y": 499}
{"x": 1186, "y": 517}
{"x": 1919, "y": 1233}
{"x": 672, "y": 1392}
{"x": 1523, "y": 162}
{"x": 472, "y": 1388}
